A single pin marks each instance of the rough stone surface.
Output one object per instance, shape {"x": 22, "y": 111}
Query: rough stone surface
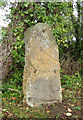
{"x": 41, "y": 79}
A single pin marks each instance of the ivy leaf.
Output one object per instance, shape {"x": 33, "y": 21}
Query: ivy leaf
{"x": 31, "y": 15}
{"x": 27, "y": 21}
{"x": 26, "y": 12}
{"x": 26, "y": 4}
{"x": 65, "y": 45}
{"x": 18, "y": 37}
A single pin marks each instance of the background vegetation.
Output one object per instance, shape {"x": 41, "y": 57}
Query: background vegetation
{"x": 65, "y": 26}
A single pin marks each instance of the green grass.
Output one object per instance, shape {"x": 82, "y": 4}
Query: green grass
{"x": 12, "y": 101}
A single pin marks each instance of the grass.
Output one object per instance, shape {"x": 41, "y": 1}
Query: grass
{"x": 13, "y": 107}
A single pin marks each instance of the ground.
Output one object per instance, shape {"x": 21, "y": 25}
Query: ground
{"x": 69, "y": 108}
{"x": 69, "y": 104}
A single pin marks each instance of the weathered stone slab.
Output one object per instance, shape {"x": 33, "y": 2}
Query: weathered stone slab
{"x": 41, "y": 79}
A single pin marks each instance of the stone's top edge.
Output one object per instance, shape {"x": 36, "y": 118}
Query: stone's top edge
{"x": 39, "y": 29}
{"x": 32, "y": 28}
{"x": 41, "y": 23}
{"x": 38, "y": 24}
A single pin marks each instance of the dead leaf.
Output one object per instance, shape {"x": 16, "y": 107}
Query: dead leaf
{"x": 20, "y": 96}
{"x": 72, "y": 105}
{"x": 3, "y": 109}
{"x": 63, "y": 89}
{"x": 19, "y": 105}
{"x": 68, "y": 114}
{"x": 46, "y": 107}
{"x": 69, "y": 110}
{"x": 35, "y": 111}
{"x": 27, "y": 108}
{"x": 65, "y": 106}
{"x": 5, "y": 113}
{"x": 3, "y": 99}
{"x": 67, "y": 90}
{"x": 13, "y": 98}
{"x": 48, "y": 111}
{"x": 10, "y": 115}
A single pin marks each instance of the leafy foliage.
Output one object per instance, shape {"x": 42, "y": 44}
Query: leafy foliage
{"x": 71, "y": 81}
{"x": 59, "y": 15}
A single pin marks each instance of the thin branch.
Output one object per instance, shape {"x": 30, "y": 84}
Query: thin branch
{"x": 14, "y": 90}
{"x": 8, "y": 113}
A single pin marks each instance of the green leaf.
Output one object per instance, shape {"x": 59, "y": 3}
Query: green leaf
{"x": 65, "y": 45}
{"x": 26, "y": 12}
{"x": 26, "y": 4}
{"x": 18, "y": 37}
{"x": 27, "y": 21}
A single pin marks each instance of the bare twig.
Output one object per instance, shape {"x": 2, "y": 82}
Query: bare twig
{"x": 14, "y": 90}
{"x": 8, "y": 113}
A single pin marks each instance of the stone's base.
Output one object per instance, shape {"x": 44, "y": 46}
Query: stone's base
{"x": 43, "y": 91}
{"x": 43, "y": 103}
